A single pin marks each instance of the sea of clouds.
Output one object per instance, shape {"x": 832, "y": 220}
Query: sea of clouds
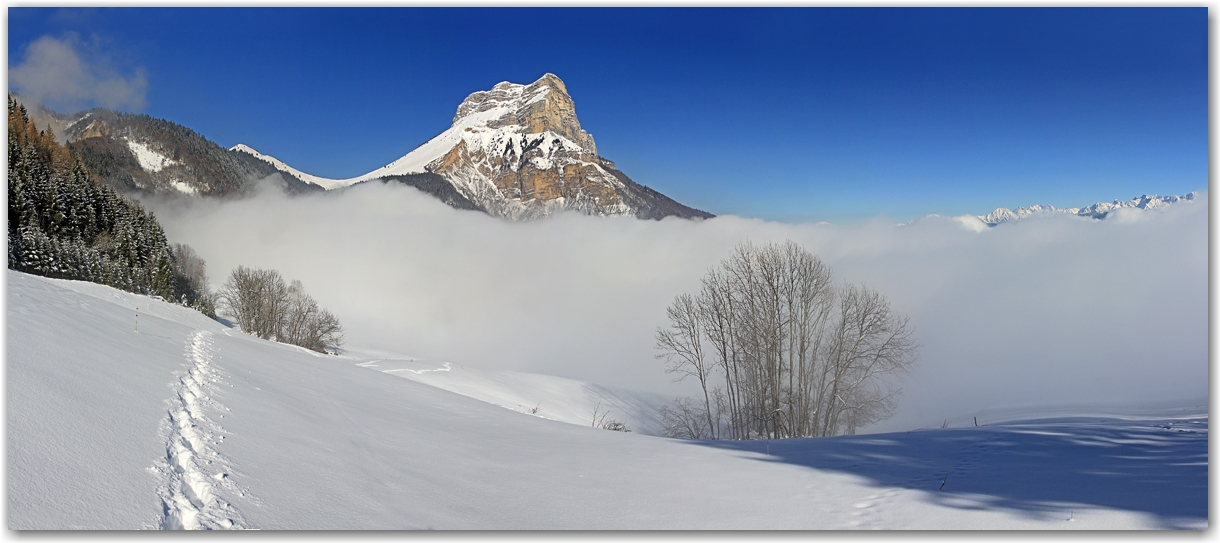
{"x": 1044, "y": 311}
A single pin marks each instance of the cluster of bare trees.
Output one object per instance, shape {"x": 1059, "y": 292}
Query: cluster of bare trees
{"x": 780, "y": 351}
{"x": 262, "y": 304}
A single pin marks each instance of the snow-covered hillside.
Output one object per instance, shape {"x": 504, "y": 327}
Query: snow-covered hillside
{"x": 184, "y": 422}
{"x": 157, "y": 156}
{"x": 546, "y": 396}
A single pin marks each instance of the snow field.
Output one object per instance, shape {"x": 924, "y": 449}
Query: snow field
{"x": 327, "y": 444}
{"x": 544, "y": 396}
{"x": 88, "y": 400}
{"x": 280, "y": 165}
{"x": 150, "y": 160}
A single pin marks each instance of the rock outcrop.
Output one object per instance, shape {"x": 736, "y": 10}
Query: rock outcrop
{"x": 521, "y": 153}
{"x": 541, "y": 107}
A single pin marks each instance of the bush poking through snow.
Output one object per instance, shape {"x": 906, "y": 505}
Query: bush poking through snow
{"x": 615, "y": 426}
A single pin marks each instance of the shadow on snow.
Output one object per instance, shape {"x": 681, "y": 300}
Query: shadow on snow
{"x": 1036, "y": 468}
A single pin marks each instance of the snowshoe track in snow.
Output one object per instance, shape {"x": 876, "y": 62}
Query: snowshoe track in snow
{"x": 193, "y": 473}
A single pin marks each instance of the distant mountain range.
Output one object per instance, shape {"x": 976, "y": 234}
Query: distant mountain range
{"x": 1099, "y": 210}
{"x": 515, "y": 151}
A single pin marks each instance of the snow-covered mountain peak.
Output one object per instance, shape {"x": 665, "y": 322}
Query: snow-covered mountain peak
{"x": 503, "y": 98}
{"x": 501, "y": 125}
{"x": 245, "y": 149}
{"x": 519, "y": 152}
{"x": 542, "y": 106}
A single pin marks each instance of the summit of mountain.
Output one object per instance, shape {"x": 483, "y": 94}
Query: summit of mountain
{"x": 518, "y": 152}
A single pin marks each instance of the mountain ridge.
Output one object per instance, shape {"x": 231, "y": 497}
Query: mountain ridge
{"x": 1099, "y": 210}
{"x": 514, "y": 151}
{"x": 137, "y": 153}
{"x": 519, "y": 152}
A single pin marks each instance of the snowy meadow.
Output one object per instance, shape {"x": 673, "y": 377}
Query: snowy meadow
{"x": 1044, "y": 312}
{"x": 188, "y": 424}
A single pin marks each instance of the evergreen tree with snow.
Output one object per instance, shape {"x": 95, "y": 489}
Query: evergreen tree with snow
{"x": 63, "y": 224}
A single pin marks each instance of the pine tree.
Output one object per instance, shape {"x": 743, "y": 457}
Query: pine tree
{"x": 63, "y": 224}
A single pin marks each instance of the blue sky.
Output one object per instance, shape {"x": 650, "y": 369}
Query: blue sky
{"x": 835, "y": 114}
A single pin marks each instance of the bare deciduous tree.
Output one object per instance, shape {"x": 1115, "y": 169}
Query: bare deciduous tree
{"x": 793, "y": 355}
{"x": 242, "y": 299}
{"x": 263, "y": 305}
{"x": 682, "y": 347}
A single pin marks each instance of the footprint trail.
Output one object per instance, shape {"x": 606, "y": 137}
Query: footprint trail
{"x": 194, "y": 475}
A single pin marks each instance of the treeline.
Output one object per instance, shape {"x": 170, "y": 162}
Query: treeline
{"x": 264, "y": 305}
{"x": 781, "y": 351}
{"x": 63, "y": 224}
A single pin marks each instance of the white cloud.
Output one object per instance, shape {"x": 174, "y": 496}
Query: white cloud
{"x": 70, "y": 75}
{"x": 1056, "y": 309}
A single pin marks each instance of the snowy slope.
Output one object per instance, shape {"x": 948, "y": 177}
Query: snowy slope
{"x": 148, "y": 158}
{"x": 472, "y": 128}
{"x": 413, "y": 162}
{"x": 545, "y": 396}
{"x": 280, "y": 165}
{"x": 186, "y": 423}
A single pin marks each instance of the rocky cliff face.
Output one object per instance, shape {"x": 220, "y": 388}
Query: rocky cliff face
{"x": 543, "y": 106}
{"x": 519, "y": 151}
